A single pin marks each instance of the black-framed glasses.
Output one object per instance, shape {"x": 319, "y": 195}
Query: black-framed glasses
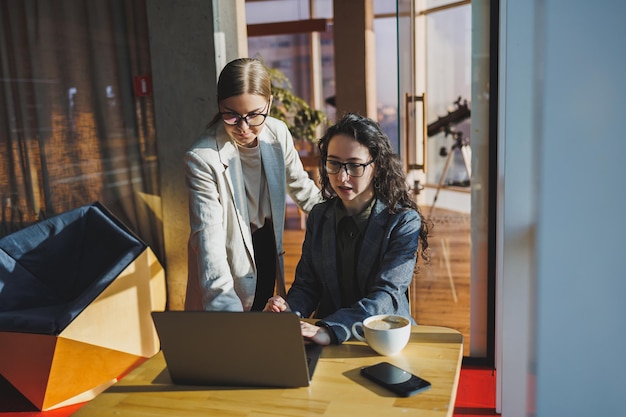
{"x": 354, "y": 169}
{"x": 252, "y": 119}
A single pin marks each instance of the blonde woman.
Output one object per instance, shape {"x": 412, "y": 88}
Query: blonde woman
{"x": 238, "y": 174}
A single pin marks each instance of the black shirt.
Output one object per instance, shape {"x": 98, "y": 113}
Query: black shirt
{"x": 350, "y": 232}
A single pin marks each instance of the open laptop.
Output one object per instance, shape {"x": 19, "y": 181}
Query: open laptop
{"x": 235, "y": 348}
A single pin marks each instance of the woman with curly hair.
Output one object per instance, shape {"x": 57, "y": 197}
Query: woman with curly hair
{"x": 361, "y": 243}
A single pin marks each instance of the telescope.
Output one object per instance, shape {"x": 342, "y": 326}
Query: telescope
{"x": 444, "y": 123}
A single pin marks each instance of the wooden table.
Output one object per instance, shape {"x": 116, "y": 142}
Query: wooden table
{"x": 337, "y": 388}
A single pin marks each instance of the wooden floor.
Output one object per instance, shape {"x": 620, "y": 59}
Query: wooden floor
{"x": 440, "y": 295}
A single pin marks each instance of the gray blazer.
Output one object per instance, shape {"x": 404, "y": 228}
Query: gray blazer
{"x": 222, "y": 272}
{"x": 385, "y": 268}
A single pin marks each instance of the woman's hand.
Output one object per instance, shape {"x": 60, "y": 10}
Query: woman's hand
{"x": 319, "y": 335}
{"x": 315, "y": 333}
{"x": 276, "y": 304}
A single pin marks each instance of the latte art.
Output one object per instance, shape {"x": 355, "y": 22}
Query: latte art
{"x": 386, "y": 324}
{"x": 387, "y": 334}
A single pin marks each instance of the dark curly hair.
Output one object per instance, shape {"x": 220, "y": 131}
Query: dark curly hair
{"x": 390, "y": 184}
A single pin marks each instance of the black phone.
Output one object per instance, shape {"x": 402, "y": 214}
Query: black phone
{"x": 395, "y": 379}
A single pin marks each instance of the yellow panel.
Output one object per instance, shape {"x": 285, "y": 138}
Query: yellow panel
{"x": 79, "y": 367}
{"x": 119, "y": 318}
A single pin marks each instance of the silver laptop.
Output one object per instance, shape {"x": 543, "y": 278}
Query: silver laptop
{"x": 235, "y": 348}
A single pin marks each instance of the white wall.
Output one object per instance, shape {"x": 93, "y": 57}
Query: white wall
{"x": 516, "y": 188}
{"x": 562, "y": 316}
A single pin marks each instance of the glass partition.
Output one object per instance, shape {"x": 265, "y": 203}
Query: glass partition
{"x": 433, "y": 104}
{"x": 437, "y": 94}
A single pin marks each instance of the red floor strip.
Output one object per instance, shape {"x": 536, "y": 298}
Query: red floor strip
{"x": 476, "y": 395}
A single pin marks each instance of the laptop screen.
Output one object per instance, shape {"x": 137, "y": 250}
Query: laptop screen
{"x": 235, "y": 348}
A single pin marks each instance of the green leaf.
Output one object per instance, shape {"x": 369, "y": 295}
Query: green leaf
{"x": 301, "y": 119}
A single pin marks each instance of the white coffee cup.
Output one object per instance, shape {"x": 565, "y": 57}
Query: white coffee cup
{"x": 387, "y": 334}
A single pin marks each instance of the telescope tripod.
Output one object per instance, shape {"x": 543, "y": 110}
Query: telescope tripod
{"x": 466, "y": 152}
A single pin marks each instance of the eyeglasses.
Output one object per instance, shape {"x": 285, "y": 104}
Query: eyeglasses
{"x": 353, "y": 169}
{"x": 251, "y": 119}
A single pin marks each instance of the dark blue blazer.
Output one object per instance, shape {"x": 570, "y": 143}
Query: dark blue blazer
{"x": 385, "y": 268}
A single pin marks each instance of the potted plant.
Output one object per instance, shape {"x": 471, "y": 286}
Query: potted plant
{"x": 301, "y": 119}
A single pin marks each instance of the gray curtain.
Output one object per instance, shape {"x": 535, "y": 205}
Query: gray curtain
{"x": 73, "y": 129}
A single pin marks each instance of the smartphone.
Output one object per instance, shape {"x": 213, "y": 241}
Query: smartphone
{"x": 395, "y": 379}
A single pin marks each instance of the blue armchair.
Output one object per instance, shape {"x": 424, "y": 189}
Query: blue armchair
{"x": 76, "y": 292}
